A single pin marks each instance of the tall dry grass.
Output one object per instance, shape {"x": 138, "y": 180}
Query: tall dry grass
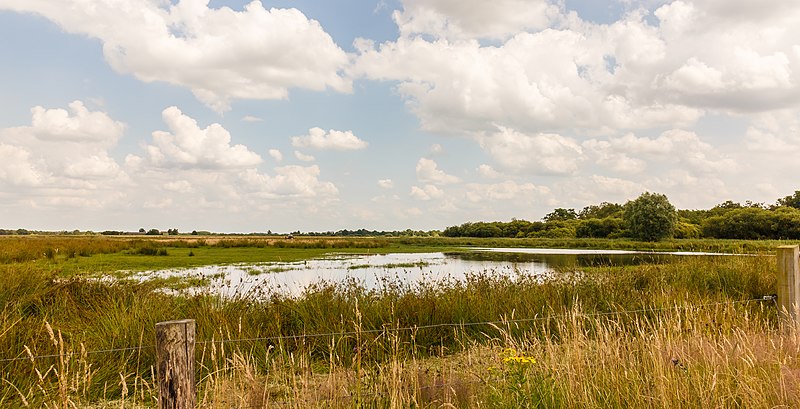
{"x": 688, "y": 339}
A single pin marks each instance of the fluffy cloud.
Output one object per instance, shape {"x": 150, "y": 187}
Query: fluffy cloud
{"x": 275, "y": 154}
{"x": 62, "y": 148}
{"x": 317, "y": 138}
{"x": 488, "y": 172}
{"x": 505, "y": 191}
{"x": 632, "y": 154}
{"x": 774, "y": 132}
{"x": 189, "y": 146}
{"x": 17, "y": 168}
{"x": 386, "y": 183}
{"x": 63, "y": 159}
{"x": 552, "y": 79}
{"x": 289, "y": 181}
{"x": 180, "y": 186}
{"x": 645, "y": 70}
{"x": 81, "y": 125}
{"x": 219, "y": 53}
{"x": 541, "y": 153}
{"x": 473, "y": 18}
{"x": 303, "y": 157}
{"x": 428, "y": 171}
{"x": 427, "y": 192}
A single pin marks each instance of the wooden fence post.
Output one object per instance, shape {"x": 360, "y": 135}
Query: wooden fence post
{"x": 789, "y": 284}
{"x": 175, "y": 364}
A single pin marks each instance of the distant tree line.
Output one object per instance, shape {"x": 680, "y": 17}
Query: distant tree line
{"x": 651, "y": 217}
{"x": 369, "y": 233}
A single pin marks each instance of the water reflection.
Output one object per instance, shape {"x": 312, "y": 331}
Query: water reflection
{"x": 405, "y": 270}
{"x": 569, "y": 260}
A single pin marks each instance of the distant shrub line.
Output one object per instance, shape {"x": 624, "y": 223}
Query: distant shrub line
{"x": 728, "y": 220}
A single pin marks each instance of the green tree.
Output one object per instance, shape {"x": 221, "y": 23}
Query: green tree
{"x": 601, "y": 211}
{"x": 650, "y": 217}
{"x": 600, "y": 228}
{"x": 560, "y": 215}
{"x": 791, "y": 201}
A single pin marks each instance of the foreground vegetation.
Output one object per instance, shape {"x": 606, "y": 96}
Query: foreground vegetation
{"x": 686, "y": 334}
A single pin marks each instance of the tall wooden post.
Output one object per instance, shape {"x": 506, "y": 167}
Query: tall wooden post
{"x": 789, "y": 284}
{"x": 175, "y": 364}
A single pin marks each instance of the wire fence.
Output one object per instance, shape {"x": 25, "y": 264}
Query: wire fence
{"x": 386, "y": 329}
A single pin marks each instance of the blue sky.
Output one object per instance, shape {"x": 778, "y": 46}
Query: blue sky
{"x": 237, "y": 116}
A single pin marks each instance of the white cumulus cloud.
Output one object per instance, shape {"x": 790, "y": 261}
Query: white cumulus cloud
{"x": 77, "y": 125}
{"x": 303, "y": 157}
{"x": 186, "y": 145}
{"x": 542, "y": 153}
{"x": 289, "y": 181}
{"x": 318, "y": 138}
{"x": 427, "y": 192}
{"x": 428, "y": 171}
{"x": 473, "y": 18}
{"x": 275, "y": 154}
{"x": 219, "y": 53}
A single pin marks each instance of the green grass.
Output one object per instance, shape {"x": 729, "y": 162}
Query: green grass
{"x": 587, "y": 354}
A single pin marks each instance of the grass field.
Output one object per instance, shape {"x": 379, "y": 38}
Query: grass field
{"x": 685, "y": 334}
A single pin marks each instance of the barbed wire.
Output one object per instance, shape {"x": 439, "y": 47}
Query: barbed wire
{"x": 406, "y": 328}
{"x": 470, "y": 324}
{"x": 99, "y": 351}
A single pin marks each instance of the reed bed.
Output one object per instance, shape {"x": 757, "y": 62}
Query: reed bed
{"x": 684, "y": 334}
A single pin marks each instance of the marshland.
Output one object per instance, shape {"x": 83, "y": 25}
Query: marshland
{"x": 77, "y": 327}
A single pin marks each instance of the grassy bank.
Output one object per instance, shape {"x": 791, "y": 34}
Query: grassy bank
{"x": 643, "y": 336}
{"x": 90, "y": 255}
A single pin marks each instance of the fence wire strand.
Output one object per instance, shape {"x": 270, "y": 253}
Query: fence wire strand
{"x": 407, "y": 328}
{"x": 471, "y": 324}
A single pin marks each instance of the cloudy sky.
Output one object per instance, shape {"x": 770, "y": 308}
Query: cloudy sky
{"x": 237, "y": 116}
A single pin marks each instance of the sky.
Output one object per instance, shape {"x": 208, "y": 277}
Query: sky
{"x": 249, "y": 116}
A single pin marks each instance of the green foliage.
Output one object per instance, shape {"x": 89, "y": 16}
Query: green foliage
{"x": 754, "y": 223}
{"x": 602, "y": 211}
{"x": 791, "y": 200}
{"x": 514, "y": 228}
{"x": 650, "y": 217}
{"x": 600, "y": 228}
{"x": 94, "y": 315}
{"x": 727, "y": 220}
{"x": 687, "y": 230}
{"x": 560, "y": 214}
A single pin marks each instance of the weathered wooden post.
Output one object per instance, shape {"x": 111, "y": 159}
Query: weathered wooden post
{"x": 175, "y": 364}
{"x": 789, "y": 284}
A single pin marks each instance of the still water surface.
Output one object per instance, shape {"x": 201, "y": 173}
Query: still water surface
{"x": 374, "y": 271}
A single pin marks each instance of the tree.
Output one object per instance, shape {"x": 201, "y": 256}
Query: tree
{"x": 600, "y": 228}
{"x": 601, "y": 211}
{"x": 560, "y": 215}
{"x": 650, "y": 217}
{"x": 791, "y": 201}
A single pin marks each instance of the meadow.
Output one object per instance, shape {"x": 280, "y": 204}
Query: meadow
{"x": 692, "y": 333}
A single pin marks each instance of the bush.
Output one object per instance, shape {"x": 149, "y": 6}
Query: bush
{"x": 600, "y": 228}
{"x": 651, "y": 217}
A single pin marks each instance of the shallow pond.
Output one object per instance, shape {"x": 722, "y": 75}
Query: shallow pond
{"x": 376, "y": 271}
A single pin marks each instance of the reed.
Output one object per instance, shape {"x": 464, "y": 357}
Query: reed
{"x": 657, "y": 335}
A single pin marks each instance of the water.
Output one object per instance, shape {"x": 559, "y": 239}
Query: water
{"x": 375, "y": 271}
